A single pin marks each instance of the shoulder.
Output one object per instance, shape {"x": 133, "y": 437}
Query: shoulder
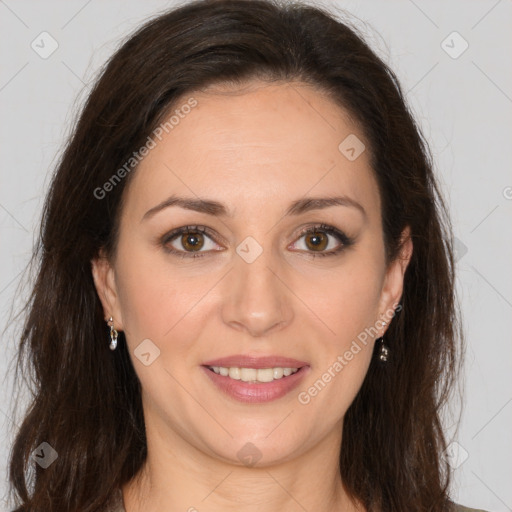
{"x": 462, "y": 508}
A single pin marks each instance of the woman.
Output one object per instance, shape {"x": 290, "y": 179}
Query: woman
{"x": 245, "y": 298}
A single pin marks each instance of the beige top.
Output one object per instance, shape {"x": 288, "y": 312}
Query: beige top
{"x": 118, "y": 506}
{"x": 458, "y": 508}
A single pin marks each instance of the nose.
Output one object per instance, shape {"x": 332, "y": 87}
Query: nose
{"x": 257, "y": 299}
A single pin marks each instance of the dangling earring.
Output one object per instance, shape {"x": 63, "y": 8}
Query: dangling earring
{"x": 384, "y": 350}
{"x": 113, "y": 334}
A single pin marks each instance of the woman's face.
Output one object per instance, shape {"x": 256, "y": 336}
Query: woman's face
{"x": 252, "y": 169}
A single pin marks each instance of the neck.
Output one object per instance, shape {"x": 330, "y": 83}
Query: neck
{"x": 179, "y": 476}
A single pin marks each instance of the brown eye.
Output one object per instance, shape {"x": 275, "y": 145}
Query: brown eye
{"x": 192, "y": 241}
{"x": 323, "y": 240}
{"x": 316, "y": 241}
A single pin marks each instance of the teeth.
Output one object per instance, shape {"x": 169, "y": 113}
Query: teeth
{"x": 234, "y": 373}
{"x": 278, "y": 373}
{"x": 253, "y": 374}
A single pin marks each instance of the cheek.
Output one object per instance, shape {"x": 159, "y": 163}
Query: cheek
{"x": 346, "y": 299}
{"x": 158, "y": 300}
{"x": 350, "y": 310}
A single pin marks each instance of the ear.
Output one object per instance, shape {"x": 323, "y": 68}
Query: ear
{"x": 104, "y": 280}
{"x": 394, "y": 280}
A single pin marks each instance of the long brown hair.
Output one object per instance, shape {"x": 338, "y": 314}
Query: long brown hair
{"x": 87, "y": 401}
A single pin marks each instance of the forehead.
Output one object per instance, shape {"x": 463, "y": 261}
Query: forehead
{"x": 254, "y": 144}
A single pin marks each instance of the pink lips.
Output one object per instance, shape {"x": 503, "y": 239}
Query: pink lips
{"x": 259, "y": 392}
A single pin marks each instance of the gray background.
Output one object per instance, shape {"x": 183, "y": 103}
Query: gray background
{"x": 463, "y": 104}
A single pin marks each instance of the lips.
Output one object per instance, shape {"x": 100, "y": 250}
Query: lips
{"x": 257, "y": 362}
{"x": 258, "y": 392}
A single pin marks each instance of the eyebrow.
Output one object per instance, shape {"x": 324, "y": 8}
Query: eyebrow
{"x": 211, "y": 207}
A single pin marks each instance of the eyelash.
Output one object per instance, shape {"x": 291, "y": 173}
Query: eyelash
{"x": 345, "y": 240}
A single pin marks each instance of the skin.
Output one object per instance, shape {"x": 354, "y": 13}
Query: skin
{"x": 255, "y": 149}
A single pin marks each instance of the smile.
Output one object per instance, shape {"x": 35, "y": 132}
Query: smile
{"x": 255, "y": 385}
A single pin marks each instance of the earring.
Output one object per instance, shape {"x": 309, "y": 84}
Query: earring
{"x": 384, "y": 350}
{"x": 113, "y": 334}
